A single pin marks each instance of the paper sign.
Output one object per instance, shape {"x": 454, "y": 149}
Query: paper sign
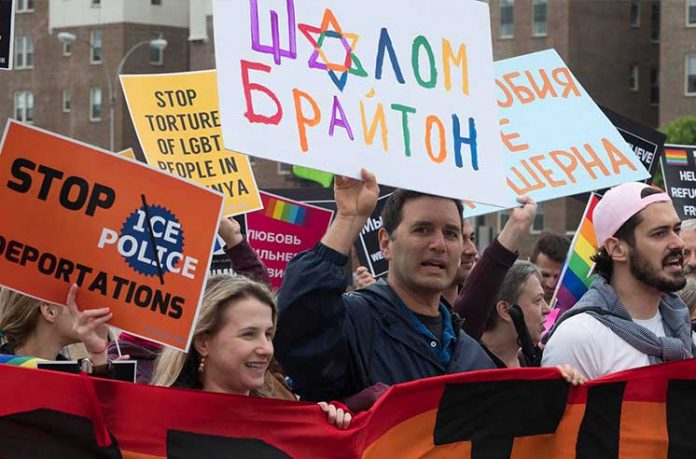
{"x": 178, "y": 124}
{"x": 679, "y": 171}
{"x": 73, "y": 213}
{"x": 283, "y": 229}
{"x": 557, "y": 140}
{"x": 6, "y": 33}
{"x": 403, "y": 90}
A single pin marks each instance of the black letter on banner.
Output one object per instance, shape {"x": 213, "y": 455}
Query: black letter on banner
{"x": 188, "y": 444}
{"x": 491, "y": 414}
{"x": 599, "y": 431}
{"x": 681, "y": 419}
{"x": 47, "y": 433}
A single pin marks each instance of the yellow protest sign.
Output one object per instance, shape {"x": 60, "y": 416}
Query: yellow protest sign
{"x": 128, "y": 153}
{"x": 177, "y": 120}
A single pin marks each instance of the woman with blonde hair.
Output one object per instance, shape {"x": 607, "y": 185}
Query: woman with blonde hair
{"x": 36, "y": 328}
{"x": 232, "y": 345}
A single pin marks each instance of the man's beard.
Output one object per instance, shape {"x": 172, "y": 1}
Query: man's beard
{"x": 690, "y": 270}
{"x": 642, "y": 270}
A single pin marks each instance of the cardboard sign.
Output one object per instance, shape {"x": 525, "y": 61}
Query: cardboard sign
{"x": 134, "y": 239}
{"x": 6, "y": 33}
{"x": 178, "y": 124}
{"x": 410, "y": 96}
{"x": 679, "y": 171}
{"x": 283, "y": 229}
{"x": 557, "y": 140}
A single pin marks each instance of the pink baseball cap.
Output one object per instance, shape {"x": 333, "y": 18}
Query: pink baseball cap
{"x": 621, "y": 203}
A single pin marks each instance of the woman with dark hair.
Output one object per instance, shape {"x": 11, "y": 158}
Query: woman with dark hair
{"x": 516, "y": 323}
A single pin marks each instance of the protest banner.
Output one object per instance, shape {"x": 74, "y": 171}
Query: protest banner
{"x": 283, "y": 229}
{"x": 6, "y": 33}
{"x": 409, "y": 96}
{"x": 134, "y": 239}
{"x": 177, "y": 121}
{"x": 679, "y": 171}
{"x": 557, "y": 140}
{"x": 524, "y": 413}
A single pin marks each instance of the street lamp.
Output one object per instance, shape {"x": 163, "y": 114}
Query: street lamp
{"x": 158, "y": 43}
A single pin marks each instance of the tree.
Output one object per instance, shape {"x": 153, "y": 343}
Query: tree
{"x": 681, "y": 131}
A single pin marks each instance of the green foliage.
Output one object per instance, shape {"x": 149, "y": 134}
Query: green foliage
{"x": 681, "y": 131}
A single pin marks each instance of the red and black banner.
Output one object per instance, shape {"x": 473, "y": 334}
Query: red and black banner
{"x": 524, "y": 413}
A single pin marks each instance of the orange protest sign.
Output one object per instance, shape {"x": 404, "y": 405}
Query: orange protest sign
{"x": 134, "y": 239}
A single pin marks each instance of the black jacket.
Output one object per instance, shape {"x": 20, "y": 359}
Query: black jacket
{"x": 335, "y": 344}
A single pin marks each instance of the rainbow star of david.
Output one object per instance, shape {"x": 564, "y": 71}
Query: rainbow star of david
{"x": 330, "y": 28}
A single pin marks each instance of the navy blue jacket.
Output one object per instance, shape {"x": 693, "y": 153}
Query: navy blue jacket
{"x": 335, "y": 344}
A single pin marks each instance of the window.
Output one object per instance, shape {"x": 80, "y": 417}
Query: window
{"x": 95, "y": 104}
{"x": 635, "y": 13}
{"x": 654, "y": 86}
{"x": 156, "y": 56}
{"x": 96, "y": 3}
{"x": 539, "y": 18}
{"x": 691, "y": 12}
{"x": 155, "y": 2}
{"x": 24, "y": 52}
{"x": 633, "y": 83}
{"x": 24, "y": 106}
{"x": 95, "y": 39}
{"x": 691, "y": 75}
{"x": 507, "y": 17}
{"x": 25, "y": 6}
{"x": 67, "y": 48}
{"x": 67, "y": 100}
{"x": 537, "y": 225}
{"x": 655, "y": 21}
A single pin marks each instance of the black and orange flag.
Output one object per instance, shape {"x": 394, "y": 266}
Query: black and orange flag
{"x": 524, "y": 413}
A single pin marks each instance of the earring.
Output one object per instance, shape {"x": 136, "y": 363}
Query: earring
{"x": 201, "y": 366}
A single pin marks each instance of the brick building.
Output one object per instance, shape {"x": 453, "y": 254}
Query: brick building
{"x": 618, "y": 49}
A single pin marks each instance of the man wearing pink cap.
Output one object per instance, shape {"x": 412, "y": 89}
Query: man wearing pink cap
{"x": 630, "y": 317}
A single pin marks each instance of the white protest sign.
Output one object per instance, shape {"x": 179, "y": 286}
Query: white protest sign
{"x": 399, "y": 87}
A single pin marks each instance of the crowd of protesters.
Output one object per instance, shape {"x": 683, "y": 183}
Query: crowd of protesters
{"x": 442, "y": 307}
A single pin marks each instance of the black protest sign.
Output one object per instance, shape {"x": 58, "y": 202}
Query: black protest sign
{"x": 679, "y": 171}
{"x": 6, "y": 33}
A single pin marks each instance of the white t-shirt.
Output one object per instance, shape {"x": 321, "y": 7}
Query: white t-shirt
{"x": 593, "y": 349}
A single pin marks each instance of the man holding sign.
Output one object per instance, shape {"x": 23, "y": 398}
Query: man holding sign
{"x": 335, "y": 345}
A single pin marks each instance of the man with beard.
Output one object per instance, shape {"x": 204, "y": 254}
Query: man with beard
{"x": 630, "y": 317}
{"x": 688, "y": 235}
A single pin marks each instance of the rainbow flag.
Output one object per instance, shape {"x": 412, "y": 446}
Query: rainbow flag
{"x": 285, "y": 212}
{"x": 19, "y": 360}
{"x": 676, "y": 157}
{"x": 575, "y": 277}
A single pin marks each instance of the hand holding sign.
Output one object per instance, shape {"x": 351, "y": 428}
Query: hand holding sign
{"x": 355, "y": 198}
{"x": 90, "y": 326}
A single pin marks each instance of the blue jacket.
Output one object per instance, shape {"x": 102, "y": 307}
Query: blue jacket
{"x": 335, "y": 344}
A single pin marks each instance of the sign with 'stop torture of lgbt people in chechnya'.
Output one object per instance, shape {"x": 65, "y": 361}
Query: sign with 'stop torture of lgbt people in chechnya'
{"x": 557, "y": 142}
{"x": 403, "y": 89}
